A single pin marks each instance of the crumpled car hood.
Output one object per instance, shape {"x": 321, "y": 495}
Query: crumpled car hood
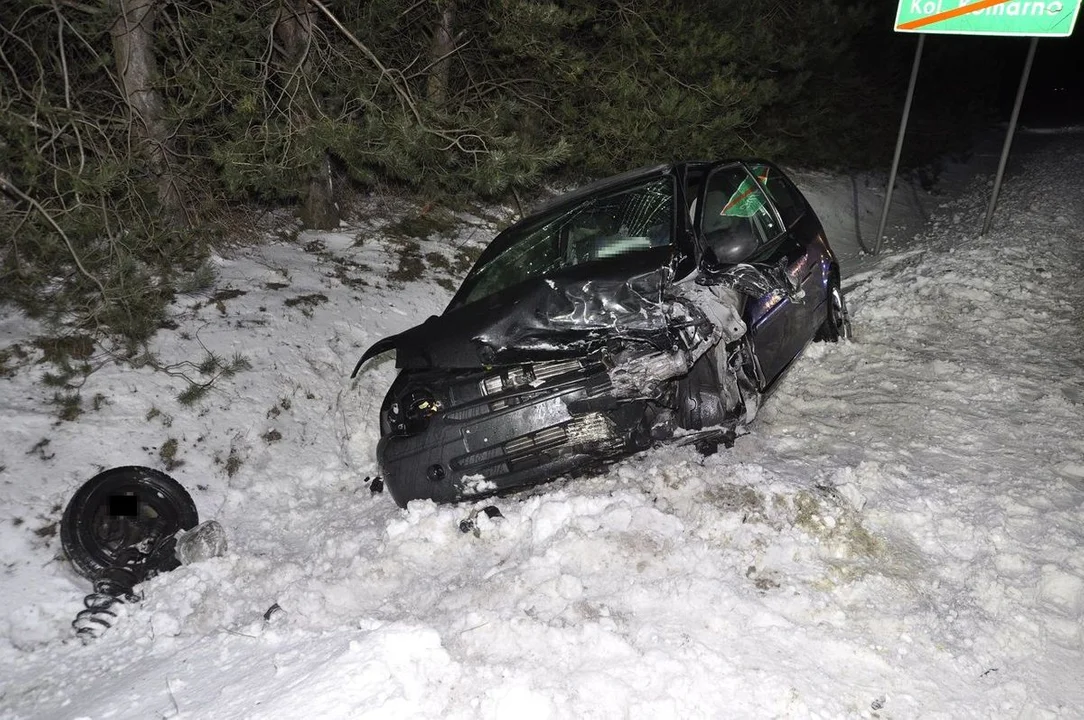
{"x": 546, "y": 319}
{"x": 580, "y": 311}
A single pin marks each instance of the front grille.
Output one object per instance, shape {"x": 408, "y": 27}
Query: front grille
{"x": 467, "y": 412}
{"x": 475, "y": 459}
{"x": 590, "y": 428}
{"x": 538, "y": 441}
{"x": 521, "y": 376}
{"x": 546, "y": 371}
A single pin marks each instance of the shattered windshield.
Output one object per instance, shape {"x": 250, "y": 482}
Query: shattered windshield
{"x": 601, "y": 227}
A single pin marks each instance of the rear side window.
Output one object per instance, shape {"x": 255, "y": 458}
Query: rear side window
{"x": 788, "y": 200}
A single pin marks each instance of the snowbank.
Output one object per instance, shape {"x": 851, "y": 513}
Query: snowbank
{"x": 898, "y": 537}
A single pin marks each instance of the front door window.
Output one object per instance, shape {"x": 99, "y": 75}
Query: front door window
{"x": 737, "y": 218}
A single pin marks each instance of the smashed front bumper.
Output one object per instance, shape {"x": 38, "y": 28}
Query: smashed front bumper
{"x": 572, "y": 375}
{"x": 451, "y": 436}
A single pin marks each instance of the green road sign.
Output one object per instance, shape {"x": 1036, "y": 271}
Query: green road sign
{"x": 1054, "y": 18}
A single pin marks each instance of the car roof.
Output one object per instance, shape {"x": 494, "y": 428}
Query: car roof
{"x": 603, "y": 185}
{"x": 630, "y": 176}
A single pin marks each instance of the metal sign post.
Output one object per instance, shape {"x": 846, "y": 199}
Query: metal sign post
{"x": 1034, "y": 18}
{"x": 899, "y": 144}
{"x": 1009, "y": 135}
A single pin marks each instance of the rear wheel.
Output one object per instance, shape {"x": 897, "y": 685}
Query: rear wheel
{"x": 837, "y": 324}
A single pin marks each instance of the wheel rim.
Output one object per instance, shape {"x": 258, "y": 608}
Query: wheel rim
{"x": 107, "y": 533}
{"x": 838, "y": 313}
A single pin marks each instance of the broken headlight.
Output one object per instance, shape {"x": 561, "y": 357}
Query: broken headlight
{"x": 411, "y": 412}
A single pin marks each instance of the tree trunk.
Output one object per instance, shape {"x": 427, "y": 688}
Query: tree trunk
{"x": 293, "y": 30}
{"x": 133, "y": 48}
{"x": 442, "y": 47}
{"x": 320, "y": 211}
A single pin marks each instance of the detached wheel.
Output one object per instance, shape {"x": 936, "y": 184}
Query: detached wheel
{"x": 837, "y": 325}
{"x": 119, "y": 508}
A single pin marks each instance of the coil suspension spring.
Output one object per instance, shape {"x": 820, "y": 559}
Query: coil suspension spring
{"x": 115, "y": 585}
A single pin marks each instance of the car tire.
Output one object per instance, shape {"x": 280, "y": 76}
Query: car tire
{"x": 837, "y": 323}
{"x": 118, "y": 508}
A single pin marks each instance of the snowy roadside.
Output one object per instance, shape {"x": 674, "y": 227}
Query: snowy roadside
{"x": 898, "y": 536}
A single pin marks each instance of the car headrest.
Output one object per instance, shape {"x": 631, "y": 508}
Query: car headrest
{"x": 733, "y": 243}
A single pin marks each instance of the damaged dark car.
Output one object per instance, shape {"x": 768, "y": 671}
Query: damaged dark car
{"x": 663, "y": 304}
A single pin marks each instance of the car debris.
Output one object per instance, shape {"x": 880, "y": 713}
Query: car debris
{"x": 126, "y": 525}
{"x": 469, "y": 524}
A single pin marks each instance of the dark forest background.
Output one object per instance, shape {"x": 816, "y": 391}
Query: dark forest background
{"x": 133, "y": 133}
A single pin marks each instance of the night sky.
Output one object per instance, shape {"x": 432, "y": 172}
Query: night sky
{"x": 1055, "y": 91}
{"x": 959, "y": 64}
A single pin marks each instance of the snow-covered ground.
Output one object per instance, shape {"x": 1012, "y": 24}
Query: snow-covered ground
{"x": 899, "y": 536}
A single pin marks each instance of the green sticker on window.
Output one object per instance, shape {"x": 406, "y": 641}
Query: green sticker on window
{"x": 746, "y": 201}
